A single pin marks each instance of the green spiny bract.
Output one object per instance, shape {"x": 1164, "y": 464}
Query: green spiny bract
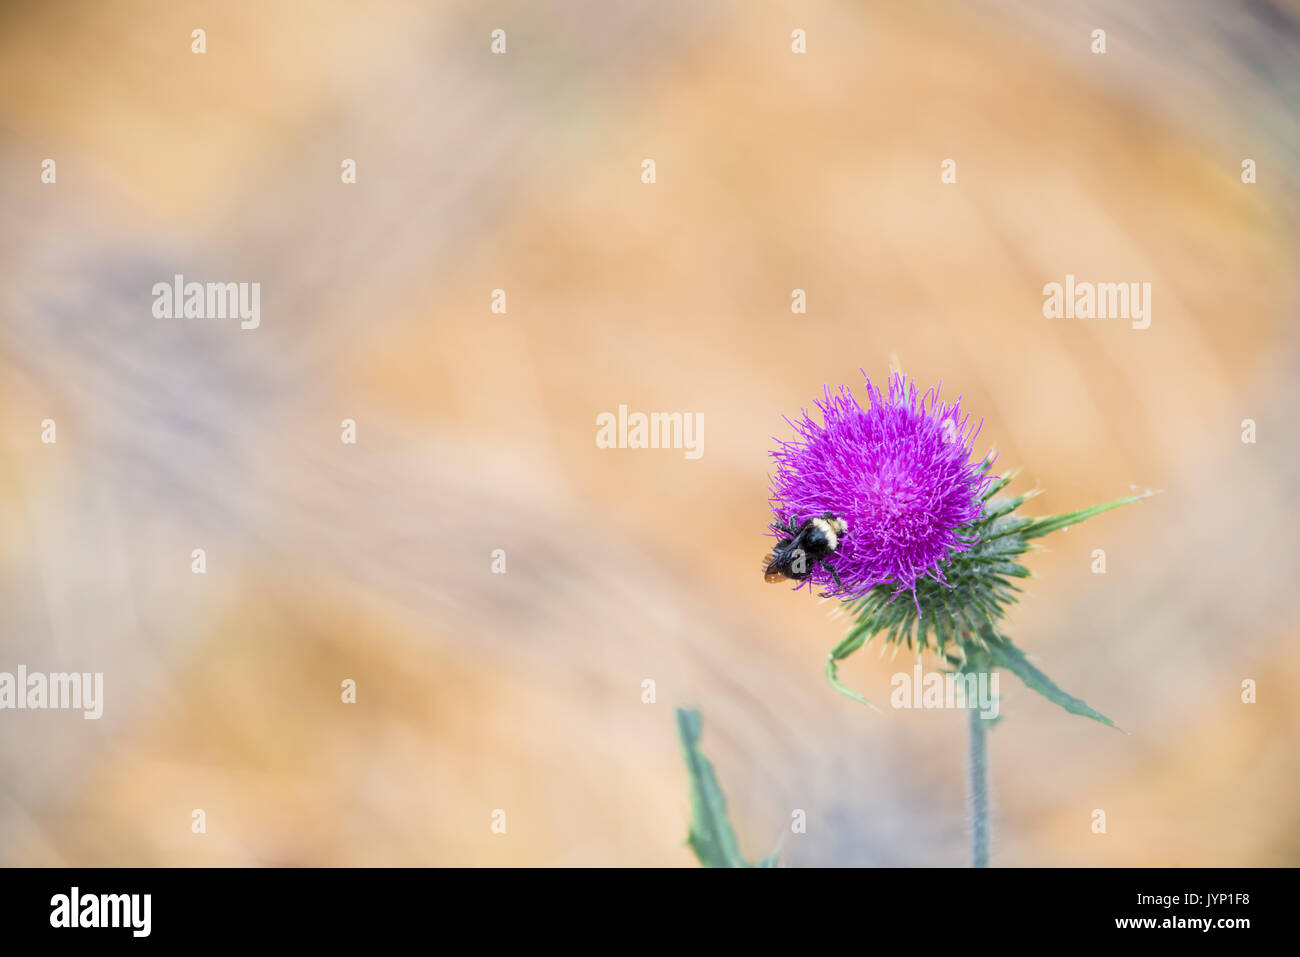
{"x": 959, "y": 620}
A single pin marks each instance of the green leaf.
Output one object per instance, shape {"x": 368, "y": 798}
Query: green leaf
{"x": 855, "y": 639}
{"x": 711, "y": 836}
{"x": 833, "y": 679}
{"x": 1006, "y": 655}
{"x": 1043, "y": 526}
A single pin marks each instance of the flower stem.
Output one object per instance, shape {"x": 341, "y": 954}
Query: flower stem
{"x": 979, "y": 788}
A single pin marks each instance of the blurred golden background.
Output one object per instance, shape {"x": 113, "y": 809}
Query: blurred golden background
{"x": 775, "y": 171}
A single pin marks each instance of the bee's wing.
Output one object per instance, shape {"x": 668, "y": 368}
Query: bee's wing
{"x": 797, "y": 541}
{"x": 783, "y": 548}
{"x": 771, "y": 573}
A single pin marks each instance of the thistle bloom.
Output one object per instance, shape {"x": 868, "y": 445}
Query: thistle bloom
{"x": 899, "y": 472}
{"x": 914, "y": 506}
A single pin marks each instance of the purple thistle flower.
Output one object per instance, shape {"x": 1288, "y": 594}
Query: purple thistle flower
{"x": 899, "y": 473}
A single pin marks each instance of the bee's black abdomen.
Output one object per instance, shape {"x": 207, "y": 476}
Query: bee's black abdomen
{"x": 788, "y": 561}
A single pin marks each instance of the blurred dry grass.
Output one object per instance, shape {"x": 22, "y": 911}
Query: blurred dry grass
{"x": 523, "y": 691}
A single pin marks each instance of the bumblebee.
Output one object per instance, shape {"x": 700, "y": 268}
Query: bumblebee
{"x": 804, "y": 544}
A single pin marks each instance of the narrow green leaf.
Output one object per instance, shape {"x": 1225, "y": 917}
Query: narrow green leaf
{"x": 1005, "y": 525}
{"x": 1006, "y": 655}
{"x": 997, "y": 507}
{"x": 833, "y": 679}
{"x": 851, "y": 642}
{"x": 996, "y": 484}
{"x": 1043, "y": 526}
{"x": 711, "y": 837}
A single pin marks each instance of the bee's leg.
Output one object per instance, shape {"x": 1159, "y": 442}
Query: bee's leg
{"x": 839, "y": 585}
